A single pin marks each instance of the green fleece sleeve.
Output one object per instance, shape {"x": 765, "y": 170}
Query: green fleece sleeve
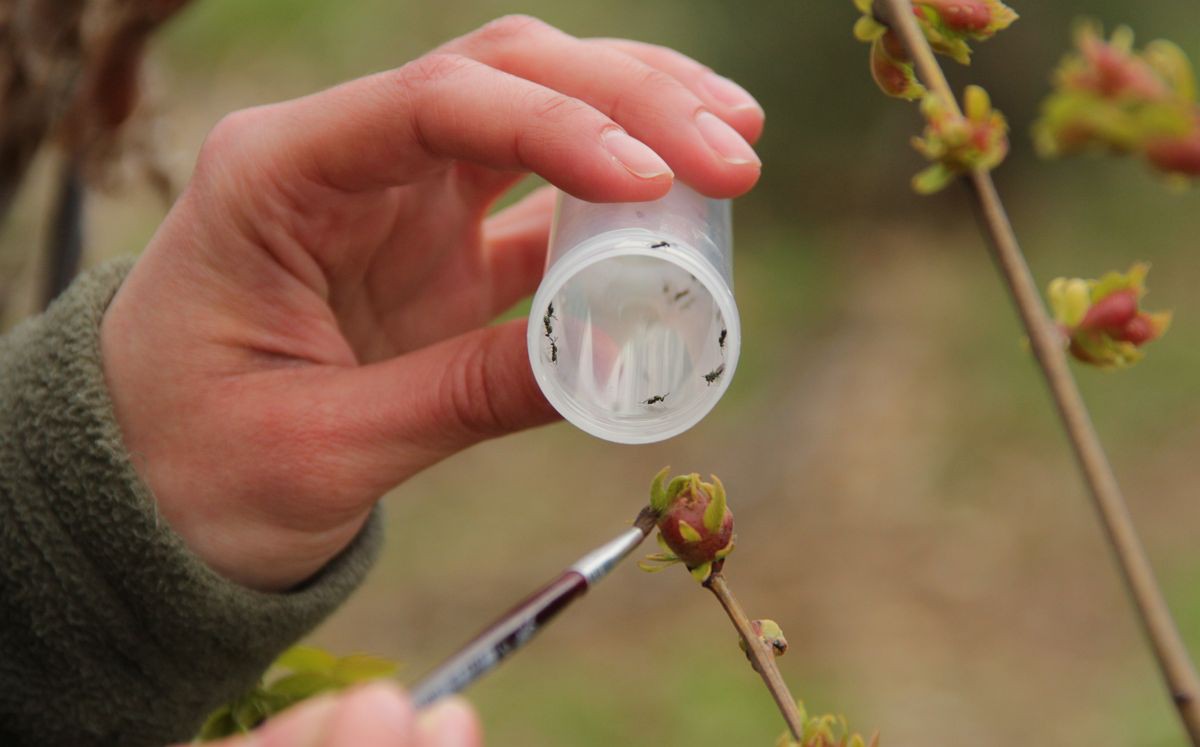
{"x": 111, "y": 631}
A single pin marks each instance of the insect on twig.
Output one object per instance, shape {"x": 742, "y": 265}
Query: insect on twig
{"x": 656, "y": 399}
{"x": 660, "y": 245}
{"x": 715, "y": 374}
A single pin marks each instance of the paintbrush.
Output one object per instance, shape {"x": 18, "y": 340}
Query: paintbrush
{"x": 515, "y": 628}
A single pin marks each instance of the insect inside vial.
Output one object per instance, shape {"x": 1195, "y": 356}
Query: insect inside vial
{"x": 656, "y": 399}
{"x": 660, "y": 245}
{"x": 546, "y": 319}
{"x": 553, "y": 348}
{"x": 681, "y": 294}
{"x": 715, "y": 374}
{"x": 721, "y": 339}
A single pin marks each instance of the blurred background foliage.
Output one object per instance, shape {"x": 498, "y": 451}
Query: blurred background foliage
{"x": 907, "y": 506}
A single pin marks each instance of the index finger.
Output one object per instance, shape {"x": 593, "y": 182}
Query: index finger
{"x": 403, "y": 125}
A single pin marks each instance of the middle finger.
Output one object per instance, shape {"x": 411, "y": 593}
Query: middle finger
{"x": 653, "y": 106}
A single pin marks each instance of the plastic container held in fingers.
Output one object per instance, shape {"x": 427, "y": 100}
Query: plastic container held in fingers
{"x": 634, "y": 333}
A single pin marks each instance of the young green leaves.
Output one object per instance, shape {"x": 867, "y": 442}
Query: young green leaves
{"x": 304, "y": 671}
{"x": 1101, "y": 320}
{"x": 948, "y": 25}
{"x": 957, "y": 144}
{"x": 1110, "y": 98}
{"x": 825, "y": 731}
{"x": 891, "y": 67}
{"x": 695, "y": 525}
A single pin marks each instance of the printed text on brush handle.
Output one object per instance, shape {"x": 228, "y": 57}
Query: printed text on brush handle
{"x": 512, "y": 631}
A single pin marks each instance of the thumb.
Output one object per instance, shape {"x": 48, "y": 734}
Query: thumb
{"x": 370, "y": 715}
{"x": 406, "y": 413}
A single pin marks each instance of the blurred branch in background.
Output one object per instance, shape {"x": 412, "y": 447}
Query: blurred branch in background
{"x": 1151, "y": 606}
{"x": 64, "y": 245}
{"x": 69, "y": 74}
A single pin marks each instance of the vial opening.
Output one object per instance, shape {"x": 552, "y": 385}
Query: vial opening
{"x": 631, "y": 344}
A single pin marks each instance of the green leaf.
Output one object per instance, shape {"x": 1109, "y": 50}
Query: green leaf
{"x": 250, "y": 712}
{"x": 728, "y": 548}
{"x": 658, "y": 495}
{"x": 701, "y": 572}
{"x": 220, "y": 724}
{"x": 303, "y": 685}
{"x": 977, "y": 105}
{"x": 1173, "y": 65}
{"x": 363, "y": 668}
{"x": 1069, "y": 300}
{"x": 933, "y": 179}
{"x": 653, "y": 564}
{"x": 662, "y": 557}
{"x": 1111, "y": 282}
{"x": 688, "y": 532}
{"x": 714, "y": 514}
{"x": 676, "y": 486}
{"x": 307, "y": 659}
{"x": 867, "y": 29}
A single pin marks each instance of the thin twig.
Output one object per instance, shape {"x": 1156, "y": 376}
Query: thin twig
{"x": 761, "y": 656}
{"x": 64, "y": 248}
{"x": 1177, "y": 667}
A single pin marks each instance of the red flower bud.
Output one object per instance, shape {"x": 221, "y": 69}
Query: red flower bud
{"x": 1111, "y": 312}
{"x": 894, "y": 74}
{"x": 1138, "y": 330}
{"x": 695, "y": 525}
{"x": 1112, "y": 69}
{"x": 1102, "y": 321}
{"x": 1180, "y": 155}
{"x": 894, "y": 47}
{"x": 959, "y": 15}
{"x": 685, "y": 531}
{"x": 1109, "y": 97}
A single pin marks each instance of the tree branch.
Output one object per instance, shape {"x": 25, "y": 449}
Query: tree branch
{"x": 760, "y": 656}
{"x": 64, "y": 247}
{"x": 1153, "y": 612}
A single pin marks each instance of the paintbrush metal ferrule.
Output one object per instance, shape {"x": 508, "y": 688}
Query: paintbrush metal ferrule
{"x": 597, "y": 563}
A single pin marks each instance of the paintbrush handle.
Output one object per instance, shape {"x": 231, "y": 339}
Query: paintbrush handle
{"x": 500, "y": 639}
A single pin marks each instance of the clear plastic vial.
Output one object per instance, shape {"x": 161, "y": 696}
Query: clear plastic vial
{"x": 634, "y": 334}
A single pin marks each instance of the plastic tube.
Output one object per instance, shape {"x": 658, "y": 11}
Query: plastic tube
{"x": 634, "y": 334}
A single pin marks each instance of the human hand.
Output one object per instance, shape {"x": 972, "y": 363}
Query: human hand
{"x": 308, "y": 327}
{"x": 376, "y": 715}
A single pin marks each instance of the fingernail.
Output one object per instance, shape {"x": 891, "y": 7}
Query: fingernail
{"x": 637, "y": 157}
{"x": 725, "y": 140}
{"x": 728, "y": 93}
{"x": 448, "y": 723}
